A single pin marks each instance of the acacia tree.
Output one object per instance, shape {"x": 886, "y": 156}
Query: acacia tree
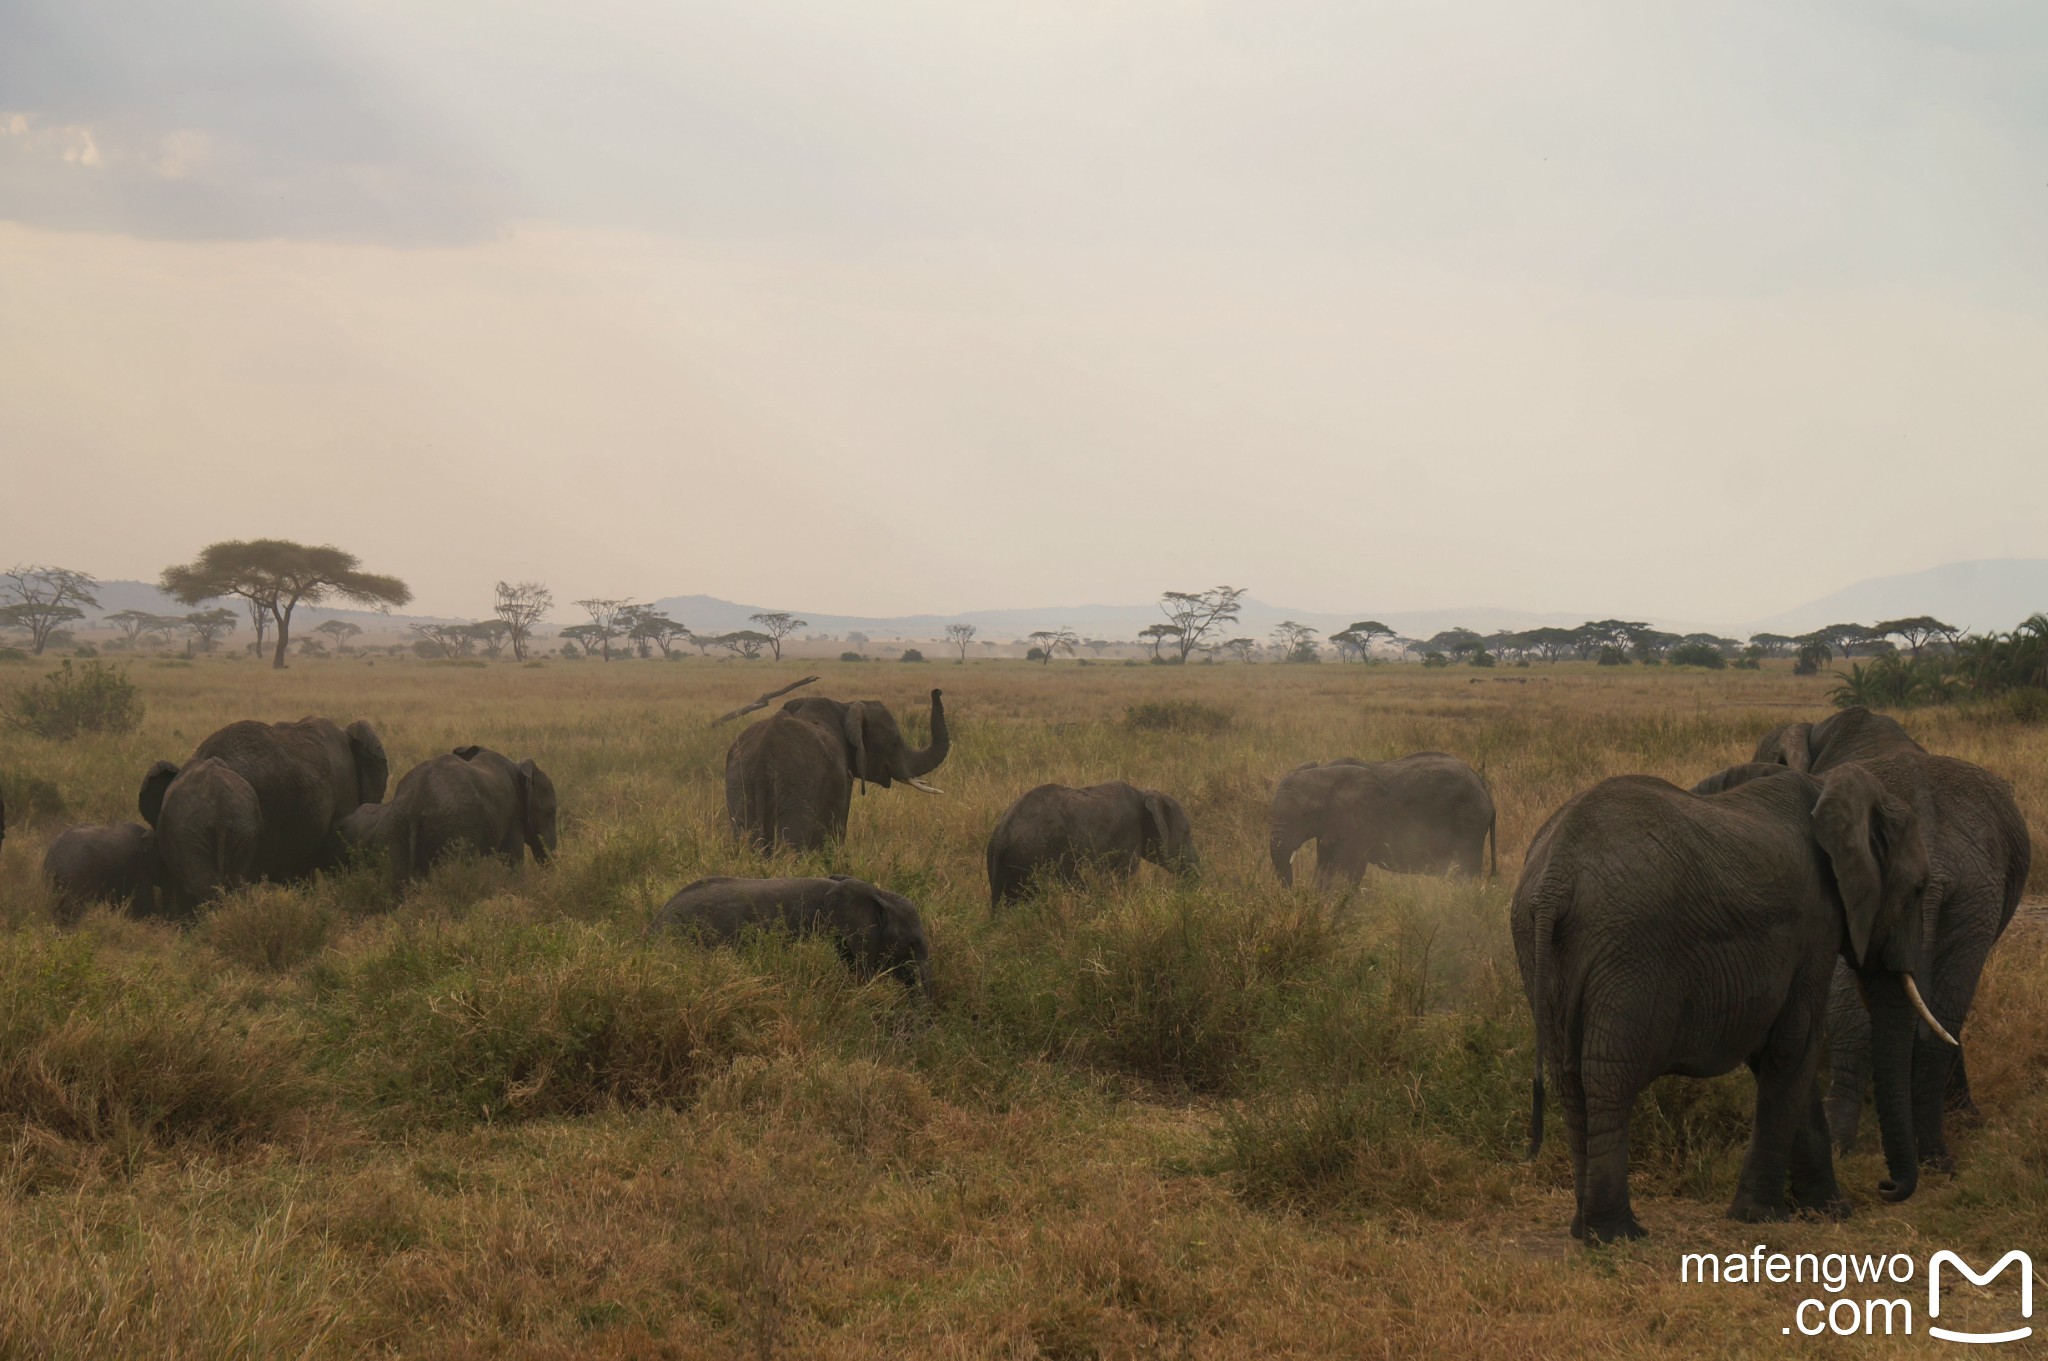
{"x": 208, "y": 626}
{"x": 777, "y": 625}
{"x": 743, "y": 643}
{"x": 608, "y": 619}
{"x": 1241, "y": 648}
{"x": 1297, "y": 642}
{"x": 279, "y": 576}
{"x": 1196, "y": 614}
{"x": 135, "y": 625}
{"x": 41, "y": 599}
{"x": 960, "y": 636}
{"x": 1918, "y": 631}
{"x": 1156, "y": 635}
{"x": 650, "y": 625}
{"x": 340, "y": 630}
{"x": 1772, "y": 644}
{"x": 1051, "y": 642}
{"x": 522, "y": 606}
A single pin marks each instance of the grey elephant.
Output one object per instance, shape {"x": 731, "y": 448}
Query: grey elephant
{"x": 307, "y": 776}
{"x": 1427, "y": 813}
{"x": 1659, "y": 931}
{"x": 1980, "y": 854}
{"x": 789, "y": 779}
{"x": 111, "y": 863}
{"x": 472, "y": 797}
{"x": 207, "y": 825}
{"x": 1057, "y": 832}
{"x": 876, "y": 931}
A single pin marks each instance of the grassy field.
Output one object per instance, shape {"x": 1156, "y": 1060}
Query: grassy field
{"x": 493, "y": 1119}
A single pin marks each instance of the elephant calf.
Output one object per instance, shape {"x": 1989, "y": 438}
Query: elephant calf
{"x": 1422, "y": 814}
{"x": 1659, "y": 931}
{"x": 115, "y": 863}
{"x": 209, "y": 827}
{"x": 473, "y": 797}
{"x": 1060, "y": 833}
{"x": 876, "y": 931}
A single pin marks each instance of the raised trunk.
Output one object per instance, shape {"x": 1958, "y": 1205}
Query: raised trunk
{"x": 1891, "y": 1061}
{"x": 920, "y": 762}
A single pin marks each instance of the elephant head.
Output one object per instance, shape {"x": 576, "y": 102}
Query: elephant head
{"x": 882, "y": 932}
{"x": 1874, "y": 844}
{"x": 1854, "y": 734}
{"x": 373, "y": 768}
{"x": 874, "y": 746}
{"x": 208, "y": 824}
{"x": 1169, "y": 835}
{"x": 537, "y": 811}
{"x": 1299, "y": 805}
{"x": 1722, "y": 780}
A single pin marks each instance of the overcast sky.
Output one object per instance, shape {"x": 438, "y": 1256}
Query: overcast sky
{"x": 1694, "y": 311}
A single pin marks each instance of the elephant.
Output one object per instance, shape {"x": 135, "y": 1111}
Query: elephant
{"x": 1659, "y": 931}
{"x": 876, "y": 931}
{"x": 307, "y": 775}
{"x": 1427, "y": 813}
{"x": 1058, "y": 832}
{"x": 789, "y": 780}
{"x": 471, "y": 797}
{"x": 110, "y": 863}
{"x": 208, "y": 825}
{"x": 1980, "y": 853}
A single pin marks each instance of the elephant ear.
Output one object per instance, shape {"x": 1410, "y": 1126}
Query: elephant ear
{"x": 150, "y": 802}
{"x": 1874, "y": 844}
{"x": 373, "y": 769}
{"x": 1789, "y": 745}
{"x": 1155, "y": 820}
{"x": 853, "y": 725}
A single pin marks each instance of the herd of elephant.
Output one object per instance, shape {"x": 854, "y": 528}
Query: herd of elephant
{"x": 1844, "y": 886}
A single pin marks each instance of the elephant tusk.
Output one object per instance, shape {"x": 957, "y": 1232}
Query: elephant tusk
{"x": 922, "y": 786}
{"x": 1913, "y": 991}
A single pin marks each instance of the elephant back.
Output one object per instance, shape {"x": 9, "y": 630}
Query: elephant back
{"x": 306, "y": 777}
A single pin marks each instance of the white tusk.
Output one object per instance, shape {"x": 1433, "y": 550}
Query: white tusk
{"x": 921, "y": 785}
{"x": 1913, "y": 991}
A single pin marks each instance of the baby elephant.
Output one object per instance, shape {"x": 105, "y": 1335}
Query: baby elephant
{"x": 1060, "y": 833}
{"x": 115, "y": 863}
{"x": 472, "y": 797}
{"x": 876, "y": 931}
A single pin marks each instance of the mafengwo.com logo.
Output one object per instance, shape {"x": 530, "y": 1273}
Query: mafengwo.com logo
{"x": 1873, "y": 1295}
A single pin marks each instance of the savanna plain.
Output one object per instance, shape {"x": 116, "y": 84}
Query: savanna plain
{"x": 1219, "y": 1119}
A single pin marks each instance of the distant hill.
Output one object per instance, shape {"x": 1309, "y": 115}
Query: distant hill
{"x": 1991, "y": 593}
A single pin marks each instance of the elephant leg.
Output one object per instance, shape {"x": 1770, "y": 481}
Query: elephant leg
{"x": 1848, "y": 1058}
{"x": 1340, "y": 864}
{"x": 1612, "y": 1077}
{"x": 1571, "y": 1104}
{"x": 1785, "y": 1094}
{"x": 1958, "y": 1101}
{"x": 1813, "y": 1185}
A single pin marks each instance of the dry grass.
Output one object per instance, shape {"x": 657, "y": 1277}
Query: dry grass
{"x": 492, "y": 1119}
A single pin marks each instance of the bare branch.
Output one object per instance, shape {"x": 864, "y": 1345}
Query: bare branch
{"x": 763, "y": 702}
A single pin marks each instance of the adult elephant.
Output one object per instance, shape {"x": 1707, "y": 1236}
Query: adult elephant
{"x": 114, "y": 863}
{"x": 472, "y": 797}
{"x": 789, "y": 780}
{"x": 1060, "y": 833}
{"x": 876, "y": 931}
{"x": 1979, "y": 854}
{"x": 207, "y": 825}
{"x": 307, "y": 775}
{"x": 1428, "y": 813}
{"x": 1659, "y": 931}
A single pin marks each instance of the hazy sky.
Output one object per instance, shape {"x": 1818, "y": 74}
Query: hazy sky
{"x": 1688, "y": 310}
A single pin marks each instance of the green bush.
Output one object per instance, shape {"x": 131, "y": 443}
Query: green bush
{"x": 1176, "y": 715}
{"x": 851, "y": 657}
{"x": 1698, "y": 654}
{"x": 1610, "y": 655}
{"x": 911, "y": 654}
{"x": 94, "y": 697}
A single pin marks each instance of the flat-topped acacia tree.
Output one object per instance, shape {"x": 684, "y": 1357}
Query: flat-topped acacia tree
{"x": 276, "y": 576}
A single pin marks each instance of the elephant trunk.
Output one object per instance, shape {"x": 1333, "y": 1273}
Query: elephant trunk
{"x": 921, "y": 762}
{"x": 1891, "y": 1060}
{"x": 1284, "y": 842}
